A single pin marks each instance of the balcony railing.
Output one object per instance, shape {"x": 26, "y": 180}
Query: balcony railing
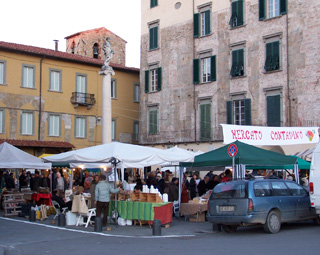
{"x": 79, "y": 98}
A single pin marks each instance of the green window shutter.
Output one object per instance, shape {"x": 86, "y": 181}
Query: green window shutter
{"x": 159, "y": 78}
{"x": 155, "y": 37}
{"x": 146, "y": 85}
{"x": 268, "y": 62}
{"x": 283, "y": 7}
{"x": 153, "y": 122}
{"x": 205, "y": 121}
{"x": 213, "y": 68}
{"x": 240, "y": 12}
{"x": 241, "y": 62}
{"x": 262, "y": 9}
{"x": 273, "y": 111}
{"x": 247, "y": 111}
{"x": 276, "y": 55}
{"x": 234, "y": 63}
{"x": 233, "y": 19}
{"x": 229, "y": 112}
{"x": 196, "y": 25}
{"x": 196, "y": 71}
{"x": 153, "y": 3}
{"x": 151, "y": 35}
{"x": 208, "y": 22}
{"x": 150, "y": 122}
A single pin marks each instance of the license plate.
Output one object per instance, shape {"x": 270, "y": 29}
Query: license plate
{"x": 226, "y": 208}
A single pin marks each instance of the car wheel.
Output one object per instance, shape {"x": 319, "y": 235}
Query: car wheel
{"x": 273, "y": 223}
{"x": 229, "y": 228}
{"x": 317, "y": 221}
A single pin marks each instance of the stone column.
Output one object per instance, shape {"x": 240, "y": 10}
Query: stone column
{"x": 106, "y": 72}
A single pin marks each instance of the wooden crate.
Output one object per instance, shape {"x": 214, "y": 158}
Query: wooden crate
{"x": 144, "y": 197}
{"x": 135, "y": 196}
{"x": 154, "y": 198}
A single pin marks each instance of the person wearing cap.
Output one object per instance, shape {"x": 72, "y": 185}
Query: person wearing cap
{"x": 87, "y": 182}
{"x": 161, "y": 183}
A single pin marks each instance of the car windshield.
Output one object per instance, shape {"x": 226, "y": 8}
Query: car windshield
{"x": 230, "y": 190}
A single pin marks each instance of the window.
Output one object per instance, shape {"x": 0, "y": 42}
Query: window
{"x": 280, "y": 189}
{"x": 2, "y": 121}
{"x": 202, "y": 22}
{"x": 113, "y": 130}
{"x": 207, "y": 70}
{"x": 272, "y": 8}
{"x": 28, "y": 76}
{"x": 135, "y": 130}
{"x": 55, "y": 80}
{"x": 153, "y": 121}
{"x": 153, "y": 80}
{"x": 80, "y": 127}
{"x": 262, "y": 189}
{"x": 239, "y": 112}
{"x": 296, "y": 190}
{"x": 95, "y": 50}
{"x": 153, "y": 3}
{"x": 81, "y": 88}
{"x": 237, "y": 67}
{"x": 272, "y": 56}
{"x": 236, "y": 14}
{"x": 153, "y": 35}
{"x": 27, "y": 123}
{"x": 54, "y": 125}
{"x": 3, "y": 67}
{"x": 113, "y": 89}
{"x": 205, "y": 121}
{"x": 273, "y": 111}
{"x": 136, "y": 93}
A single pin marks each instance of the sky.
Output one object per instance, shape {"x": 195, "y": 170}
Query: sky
{"x": 39, "y": 22}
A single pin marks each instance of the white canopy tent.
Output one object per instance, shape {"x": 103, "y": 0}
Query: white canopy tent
{"x": 128, "y": 155}
{"x": 14, "y": 158}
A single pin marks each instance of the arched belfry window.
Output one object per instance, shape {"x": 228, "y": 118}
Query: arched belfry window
{"x": 95, "y": 50}
{"x": 72, "y": 47}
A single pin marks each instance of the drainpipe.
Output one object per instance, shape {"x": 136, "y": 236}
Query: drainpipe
{"x": 194, "y": 86}
{"x": 288, "y": 76}
{"x": 40, "y": 100}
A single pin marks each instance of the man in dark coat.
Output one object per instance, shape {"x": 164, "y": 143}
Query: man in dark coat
{"x": 203, "y": 186}
{"x": 173, "y": 194}
{"x": 161, "y": 183}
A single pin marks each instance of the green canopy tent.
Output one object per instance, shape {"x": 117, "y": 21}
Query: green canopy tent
{"x": 247, "y": 156}
{"x": 302, "y": 164}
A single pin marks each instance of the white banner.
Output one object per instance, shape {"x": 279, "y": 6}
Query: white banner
{"x": 256, "y": 135}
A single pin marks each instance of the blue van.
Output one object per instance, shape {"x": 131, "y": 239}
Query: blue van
{"x": 269, "y": 202}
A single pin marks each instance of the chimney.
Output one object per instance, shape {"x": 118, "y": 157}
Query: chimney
{"x": 56, "y": 44}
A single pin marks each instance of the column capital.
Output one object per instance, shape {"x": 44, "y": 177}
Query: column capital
{"x": 105, "y": 70}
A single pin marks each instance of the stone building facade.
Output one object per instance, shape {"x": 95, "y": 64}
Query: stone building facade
{"x": 89, "y": 44}
{"x": 246, "y": 62}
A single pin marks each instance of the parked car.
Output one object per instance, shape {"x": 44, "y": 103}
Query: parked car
{"x": 269, "y": 202}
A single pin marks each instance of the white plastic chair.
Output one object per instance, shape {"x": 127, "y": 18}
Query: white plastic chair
{"x": 56, "y": 206}
{"x": 91, "y": 212}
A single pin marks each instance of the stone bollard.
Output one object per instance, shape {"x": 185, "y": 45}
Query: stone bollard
{"x": 98, "y": 224}
{"x": 32, "y": 216}
{"x": 156, "y": 228}
{"x": 61, "y": 220}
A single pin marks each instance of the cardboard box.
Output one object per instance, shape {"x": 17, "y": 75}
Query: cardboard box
{"x": 201, "y": 217}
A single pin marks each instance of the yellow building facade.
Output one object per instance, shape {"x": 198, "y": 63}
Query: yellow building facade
{"x": 51, "y": 101}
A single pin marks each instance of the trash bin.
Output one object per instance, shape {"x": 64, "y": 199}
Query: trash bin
{"x": 32, "y": 215}
{"x": 98, "y": 224}
{"x": 156, "y": 228}
{"x": 61, "y": 220}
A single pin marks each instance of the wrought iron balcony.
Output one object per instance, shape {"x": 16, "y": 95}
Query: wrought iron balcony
{"x": 79, "y": 98}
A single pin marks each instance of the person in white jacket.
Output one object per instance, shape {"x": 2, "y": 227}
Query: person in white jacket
{"x": 102, "y": 198}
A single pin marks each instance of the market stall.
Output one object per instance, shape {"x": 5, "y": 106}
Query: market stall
{"x": 121, "y": 155}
